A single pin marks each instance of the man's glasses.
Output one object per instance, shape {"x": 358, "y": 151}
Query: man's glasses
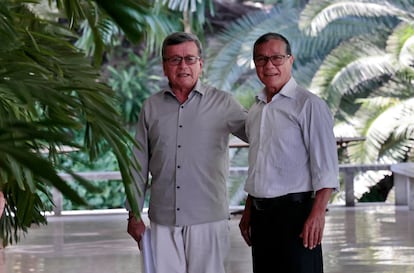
{"x": 275, "y": 59}
{"x": 176, "y": 60}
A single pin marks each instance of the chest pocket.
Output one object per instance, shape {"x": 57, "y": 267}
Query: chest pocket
{"x": 286, "y": 143}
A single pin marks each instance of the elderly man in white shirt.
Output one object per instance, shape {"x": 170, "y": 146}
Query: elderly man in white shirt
{"x": 293, "y": 166}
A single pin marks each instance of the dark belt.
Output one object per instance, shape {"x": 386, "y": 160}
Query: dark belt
{"x": 266, "y": 203}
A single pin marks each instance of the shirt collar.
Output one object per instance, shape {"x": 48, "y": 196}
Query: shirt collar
{"x": 197, "y": 88}
{"x": 288, "y": 90}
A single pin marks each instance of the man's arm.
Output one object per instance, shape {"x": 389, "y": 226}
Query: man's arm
{"x": 136, "y": 226}
{"x": 313, "y": 228}
{"x": 244, "y": 224}
{"x": 321, "y": 144}
{"x": 237, "y": 115}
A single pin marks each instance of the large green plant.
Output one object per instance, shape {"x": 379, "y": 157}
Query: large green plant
{"x": 133, "y": 80}
{"x": 48, "y": 92}
{"x": 110, "y": 31}
{"x": 357, "y": 55}
{"x": 192, "y": 13}
{"x": 104, "y": 24}
{"x": 367, "y": 80}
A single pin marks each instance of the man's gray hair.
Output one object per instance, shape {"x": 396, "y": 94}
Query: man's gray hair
{"x": 179, "y": 38}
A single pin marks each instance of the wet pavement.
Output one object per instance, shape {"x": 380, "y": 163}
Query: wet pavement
{"x": 367, "y": 238}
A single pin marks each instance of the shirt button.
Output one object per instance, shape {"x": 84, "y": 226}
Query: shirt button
{"x": 178, "y": 187}
{"x": 179, "y": 146}
{"x": 178, "y": 209}
{"x": 182, "y": 107}
{"x": 178, "y": 166}
{"x": 180, "y": 126}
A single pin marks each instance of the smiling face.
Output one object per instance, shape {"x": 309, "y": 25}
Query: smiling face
{"x": 182, "y": 77}
{"x": 274, "y": 77}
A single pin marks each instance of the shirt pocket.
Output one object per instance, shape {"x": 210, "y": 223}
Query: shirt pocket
{"x": 287, "y": 148}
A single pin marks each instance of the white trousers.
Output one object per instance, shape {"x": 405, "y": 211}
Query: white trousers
{"x": 190, "y": 249}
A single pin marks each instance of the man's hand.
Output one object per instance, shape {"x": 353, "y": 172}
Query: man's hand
{"x": 135, "y": 228}
{"x": 313, "y": 228}
{"x": 244, "y": 224}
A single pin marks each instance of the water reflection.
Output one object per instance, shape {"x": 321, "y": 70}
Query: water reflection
{"x": 376, "y": 239}
{"x": 369, "y": 239}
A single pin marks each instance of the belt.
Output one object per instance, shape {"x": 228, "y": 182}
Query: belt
{"x": 266, "y": 203}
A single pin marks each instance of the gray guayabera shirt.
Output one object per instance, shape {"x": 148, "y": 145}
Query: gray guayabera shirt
{"x": 185, "y": 148}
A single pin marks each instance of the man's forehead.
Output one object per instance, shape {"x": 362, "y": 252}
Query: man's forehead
{"x": 189, "y": 44}
{"x": 272, "y": 45}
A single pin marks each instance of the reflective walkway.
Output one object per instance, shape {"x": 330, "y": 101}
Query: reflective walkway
{"x": 374, "y": 238}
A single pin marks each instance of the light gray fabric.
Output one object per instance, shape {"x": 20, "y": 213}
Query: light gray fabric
{"x": 191, "y": 249}
{"x": 292, "y": 145}
{"x": 185, "y": 148}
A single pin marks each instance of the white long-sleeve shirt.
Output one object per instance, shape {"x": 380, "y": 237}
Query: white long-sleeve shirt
{"x": 292, "y": 145}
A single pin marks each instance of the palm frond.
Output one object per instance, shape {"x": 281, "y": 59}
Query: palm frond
{"x": 340, "y": 31}
{"x": 400, "y": 139}
{"x": 230, "y": 54}
{"x": 48, "y": 91}
{"x": 319, "y": 14}
{"x": 186, "y": 5}
{"x": 108, "y": 32}
{"x": 129, "y": 15}
{"x": 7, "y": 29}
{"x": 353, "y": 67}
{"x": 399, "y": 86}
{"x": 367, "y": 151}
{"x": 102, "y": 23}
{"x": 401, "y": 44}
{"x": 388, "y": 128}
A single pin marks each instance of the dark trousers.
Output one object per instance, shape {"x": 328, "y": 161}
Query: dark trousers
{"x": 275, "y": 227}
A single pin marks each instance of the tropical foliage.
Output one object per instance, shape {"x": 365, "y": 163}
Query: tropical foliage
{"x": 49, "y": 92}
{"x": 54, "y": 98}
{"x": 368, "y": 79}
{"x": 357, "y": 55}
{"x": 133, "y": 81}
{"x": 58, "y": 59}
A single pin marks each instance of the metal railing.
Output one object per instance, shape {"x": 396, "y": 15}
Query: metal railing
{"x": 349, "y": 171}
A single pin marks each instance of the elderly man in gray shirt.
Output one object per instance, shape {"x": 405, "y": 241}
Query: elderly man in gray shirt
{"x": 184, "y": 134}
